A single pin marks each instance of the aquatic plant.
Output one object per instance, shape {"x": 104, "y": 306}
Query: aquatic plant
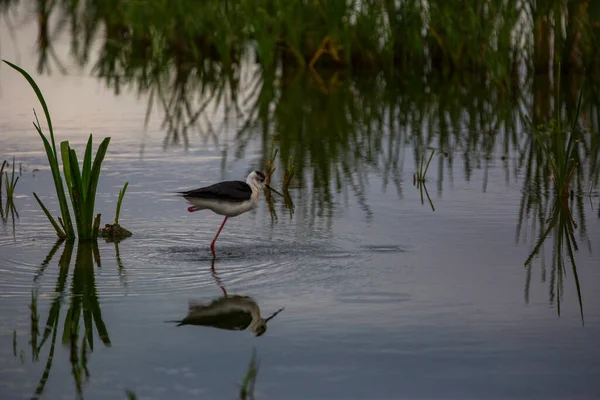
{"x": 10, "y": 185}
{"x": 67, "y": 227}
{"x": 115, "y": 232}
{"x": 119, "y": 202}
{"x": 81, "y": 183}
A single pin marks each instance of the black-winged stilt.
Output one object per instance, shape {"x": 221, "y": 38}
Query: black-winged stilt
{"x": 228, "y": 198}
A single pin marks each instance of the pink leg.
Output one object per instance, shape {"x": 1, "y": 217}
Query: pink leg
{"x": 212, "y": 245}
{"x": 192, "y": 209}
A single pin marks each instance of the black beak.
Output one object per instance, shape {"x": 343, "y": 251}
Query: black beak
{"x": 273, "y": 190}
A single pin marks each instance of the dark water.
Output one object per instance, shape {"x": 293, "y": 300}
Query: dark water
{"x": 385, "y": 295}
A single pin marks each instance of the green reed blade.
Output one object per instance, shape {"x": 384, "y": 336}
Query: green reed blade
{"x": 87, "y": 166}
{"x": 61, "y": 234}
{"x": 95, "y": 175}
{"x": 14, "y": 184}
{"x": 77, "y": 195}
{"x": 64, "y": 153}
{"x": 10, "y": 186}
{"x": 51, "y": 152}
{"x": 119, "y": 201}
{"x": 58, "y": 184}
{"x": 40, "y": 97}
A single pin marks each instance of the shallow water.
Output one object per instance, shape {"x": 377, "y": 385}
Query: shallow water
{"x": 384, "y": 297}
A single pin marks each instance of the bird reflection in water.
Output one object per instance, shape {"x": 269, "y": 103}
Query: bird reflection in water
{"x": 228, "y": 312}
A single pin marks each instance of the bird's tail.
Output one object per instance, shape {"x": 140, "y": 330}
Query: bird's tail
{"x": 179, "y": 323}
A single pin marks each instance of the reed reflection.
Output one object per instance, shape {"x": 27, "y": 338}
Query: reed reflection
{"x": 84, "y": 309}
{"x": 559, "y": 224}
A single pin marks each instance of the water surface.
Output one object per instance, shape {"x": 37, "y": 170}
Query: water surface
{"x": 385, "y": 295}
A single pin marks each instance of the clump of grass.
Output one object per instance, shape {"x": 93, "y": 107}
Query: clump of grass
{"x": 10, "y": 185}
{"x": 419, "y": 177}
{"x": 247, "y": 389}
{"x": 560, "y": 147}
{"x": 116, "y": 232}
{"x": 81, "y": 183}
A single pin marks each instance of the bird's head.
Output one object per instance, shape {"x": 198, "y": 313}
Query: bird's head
{"x": 258, "y": 180}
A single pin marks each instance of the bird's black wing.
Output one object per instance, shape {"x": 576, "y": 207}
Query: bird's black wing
{"x": 228, "y": 191}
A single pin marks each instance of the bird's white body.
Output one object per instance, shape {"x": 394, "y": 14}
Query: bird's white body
{"x": 248, "y": 194}
{"x": 226, "y": 208}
